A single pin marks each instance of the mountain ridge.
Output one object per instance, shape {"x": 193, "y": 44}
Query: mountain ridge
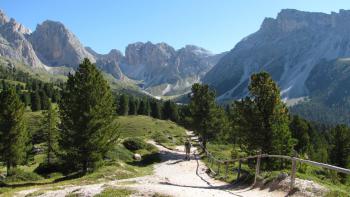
{"x": 288, "y": 47}
{"x": 51, "y": 46}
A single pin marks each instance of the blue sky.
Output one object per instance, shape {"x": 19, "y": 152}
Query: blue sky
{"x": 216, "y": 25}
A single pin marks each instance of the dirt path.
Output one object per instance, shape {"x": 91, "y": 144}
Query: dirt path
{"x": 173, "y": 176}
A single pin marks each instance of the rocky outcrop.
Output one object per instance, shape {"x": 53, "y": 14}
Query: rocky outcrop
{"x": 55, "y": 45}
{"x": 14, "y": 44}
{"x": 3, "y": 18}
{"x": 160, "y": 66}
{"x": 110, "y": 63}
{"x": 287, "y": 47}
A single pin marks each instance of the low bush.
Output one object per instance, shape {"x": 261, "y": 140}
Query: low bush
{"x": 18, "y": 175}
{"x": 134, "y": 143}
{"x": 46, "y": 169}
{"x": 160, "y": 137}
{"x": 119, "y": 152}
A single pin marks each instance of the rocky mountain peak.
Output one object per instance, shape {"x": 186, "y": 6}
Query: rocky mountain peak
{"x": 149, "y": 53}
{"x": 3, "y": 18}
{"x": 14, "y": 44}
{"x": 199, "y": 51}
{"x": 289, "y": 20}
{"x": 57, "y": 46}
{"x": 18, "y": 27}
{"x": 288, "y": 47}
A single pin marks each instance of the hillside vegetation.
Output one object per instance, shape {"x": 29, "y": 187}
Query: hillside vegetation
{"x": 120, "y": 166}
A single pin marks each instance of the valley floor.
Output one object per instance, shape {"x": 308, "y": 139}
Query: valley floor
{"x": 173, "y": 176}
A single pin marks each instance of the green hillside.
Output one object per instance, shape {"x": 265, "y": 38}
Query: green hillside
{"x": 120, "y": 165}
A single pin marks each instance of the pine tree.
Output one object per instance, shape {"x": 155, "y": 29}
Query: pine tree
{"x": 340, "y": 146}
{"x": 36, "y": 101}
{"x": 51, "y": 135}
{"x": 155, "y": 109}
{"x": 25, "y": 98}
{"x": 13, "y": 133}
{"x": 170, "y": 111}
{"x": 299, "y": 129}
{"x": 263, "y": 119}
{"x": 132, "y": 106}
{"x": 144, "y": 108}
{"x": 44, "y": 100}
{"x": 87, "y": 117}
{"x": 123, "y": 105}
{"x": 207, "y": 118}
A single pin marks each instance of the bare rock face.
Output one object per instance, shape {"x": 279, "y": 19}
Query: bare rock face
{"x": 110, "y": 63}
{"x": 287, "y": 47}
{"x": 14, "y": 44}
{"x": 55, "y": 45}
{"x": 162, "y": 69}
{"x": 3, "y": 18}
{"x": 160, "y": 66}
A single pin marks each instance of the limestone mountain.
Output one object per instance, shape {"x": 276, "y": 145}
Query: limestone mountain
{"x": 288, "y": 47}
{"x": 164, "y": 70}
{"x": 158, "y": 68}
{"x": 110, "y": 62}
{"x": 14, "y": 43}
{"x": 55, "y": 45}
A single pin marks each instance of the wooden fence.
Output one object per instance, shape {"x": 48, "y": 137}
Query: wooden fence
{"x": 258, "y": 157}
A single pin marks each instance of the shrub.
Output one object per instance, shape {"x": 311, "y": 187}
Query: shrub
{"x": 119, "y": 153}
{"x": 160, "y": 137}
{"x": 134, "y": 143}
{"x": 20, "y": 175}
{"x": 45, "y": 168}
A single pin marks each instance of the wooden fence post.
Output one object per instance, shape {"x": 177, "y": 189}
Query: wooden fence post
{"x": 239, "y": 169}
{"x": 292, "y": 176}
{"x": 226, "y": 169}
{"x": 257, "y": 167}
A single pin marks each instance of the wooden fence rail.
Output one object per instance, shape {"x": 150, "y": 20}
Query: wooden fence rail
{"x": 258, "y": 157}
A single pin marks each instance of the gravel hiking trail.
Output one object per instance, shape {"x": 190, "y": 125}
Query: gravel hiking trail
{"x": 173, "y": 176}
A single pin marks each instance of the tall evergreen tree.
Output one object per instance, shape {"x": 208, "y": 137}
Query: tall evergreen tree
{"x": 13, "y": 133}
{"x": 123, "y": 105}
{"x": 155, "y": 109}
{"x": 44, "y": 100}
{"x": 144, "y": 108}
{"x": 87, "y": 117}
{"x": 207, "y": 119}
{"x": 36, "y": 101}
{"x": 340, "y": 146}
{"x": 51, "y": 135}
{"x": 263, "y": 119}
{"x": 300, "y": 131}
{"x": 25, "y": 98}
{"x": 132, "y": 106}
{"x": 170, "y": 111}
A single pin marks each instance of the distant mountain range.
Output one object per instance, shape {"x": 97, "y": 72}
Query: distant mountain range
{"x": 289, "y": 48}
{"x": 307, "y": 53}
{"x": 158, "y": 68}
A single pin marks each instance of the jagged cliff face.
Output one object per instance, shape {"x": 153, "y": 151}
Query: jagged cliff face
{"x": 159, "y": 67}
{"x": 55, "y": 45}
{"x": 110, "y": 63}
{"x": 164, "y": 70}
{"x": 14, "y": 44}
{"x": 288, "y": 47}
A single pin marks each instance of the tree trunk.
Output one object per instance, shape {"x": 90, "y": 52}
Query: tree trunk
{"x": 85, "y": 166}
{"x": 204, "y": 142}
{"x": 8, "y": 168}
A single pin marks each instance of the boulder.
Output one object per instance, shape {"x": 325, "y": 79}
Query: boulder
{"x": 137, "y": 157}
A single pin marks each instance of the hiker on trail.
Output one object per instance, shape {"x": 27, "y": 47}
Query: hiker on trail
{"x": 188, "y": 149}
